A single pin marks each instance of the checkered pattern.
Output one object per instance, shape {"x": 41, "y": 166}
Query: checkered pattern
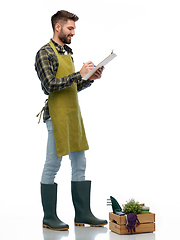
{"x": 46, "y": 65}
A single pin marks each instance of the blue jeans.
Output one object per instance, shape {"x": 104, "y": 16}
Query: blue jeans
{"x": 53, "y": 162}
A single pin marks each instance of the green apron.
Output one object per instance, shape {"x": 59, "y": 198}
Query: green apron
{"x": 65, "y": 112}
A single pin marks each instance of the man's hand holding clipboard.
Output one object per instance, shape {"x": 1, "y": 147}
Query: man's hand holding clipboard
{"x": 90, "y": 72}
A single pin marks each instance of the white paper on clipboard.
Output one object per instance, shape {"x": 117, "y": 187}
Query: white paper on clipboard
{"x": 103, "y": 63}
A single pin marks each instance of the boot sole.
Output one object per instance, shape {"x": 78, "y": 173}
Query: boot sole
{"x": 82, "y": 224}
{"x": 58, "y": 229}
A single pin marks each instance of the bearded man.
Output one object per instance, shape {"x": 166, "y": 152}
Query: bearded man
{"x": 66, "y": 134}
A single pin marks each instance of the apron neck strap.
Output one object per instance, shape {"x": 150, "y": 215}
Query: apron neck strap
{"x": 53, "y": 47}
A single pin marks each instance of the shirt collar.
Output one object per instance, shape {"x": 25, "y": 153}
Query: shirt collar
{"x": 61, "y": 49}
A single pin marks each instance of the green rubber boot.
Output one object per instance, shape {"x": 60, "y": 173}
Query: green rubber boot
{"x": 81, "y": 200}
{"x": 49, "y": 201}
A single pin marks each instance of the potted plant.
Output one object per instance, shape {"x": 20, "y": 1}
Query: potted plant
{"x": 132, "y": 207}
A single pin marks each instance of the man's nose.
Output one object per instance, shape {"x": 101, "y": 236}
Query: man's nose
{"x": 73, "y": 32}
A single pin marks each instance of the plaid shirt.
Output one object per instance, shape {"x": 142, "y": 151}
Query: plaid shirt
{"x": 46, "y": 65}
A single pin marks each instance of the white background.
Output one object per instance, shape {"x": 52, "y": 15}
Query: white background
{"x": 131, "y": 114}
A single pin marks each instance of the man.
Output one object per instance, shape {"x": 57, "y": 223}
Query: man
{"x": 66, "y": 134}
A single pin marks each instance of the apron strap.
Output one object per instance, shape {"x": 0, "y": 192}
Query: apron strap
{"x": 40, "y": 113}
{"x": 53, "y": 47}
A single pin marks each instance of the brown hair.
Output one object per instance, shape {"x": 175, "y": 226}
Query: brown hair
{"x": 62, "y": 16}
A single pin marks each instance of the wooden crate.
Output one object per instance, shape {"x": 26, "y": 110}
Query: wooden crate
{"x": 117, "y": 223}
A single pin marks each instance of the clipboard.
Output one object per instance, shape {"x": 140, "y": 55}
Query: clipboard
{"x": 103, "y": 63}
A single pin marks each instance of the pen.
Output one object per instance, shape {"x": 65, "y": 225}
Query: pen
{"x": 94, "y": 65}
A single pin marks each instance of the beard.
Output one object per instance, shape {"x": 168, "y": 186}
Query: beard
{"x": 65, "y": 39}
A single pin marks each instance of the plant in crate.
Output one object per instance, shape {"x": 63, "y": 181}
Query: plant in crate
{"x": 132, "y": 207}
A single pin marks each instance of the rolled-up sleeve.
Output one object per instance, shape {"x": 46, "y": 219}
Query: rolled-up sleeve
{"x": 83, "y": 84}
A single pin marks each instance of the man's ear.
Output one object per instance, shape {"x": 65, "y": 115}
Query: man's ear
{"x": 57, "y": 27}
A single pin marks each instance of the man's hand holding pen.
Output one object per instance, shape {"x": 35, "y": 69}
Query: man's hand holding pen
{"x": 87, "y": 67}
